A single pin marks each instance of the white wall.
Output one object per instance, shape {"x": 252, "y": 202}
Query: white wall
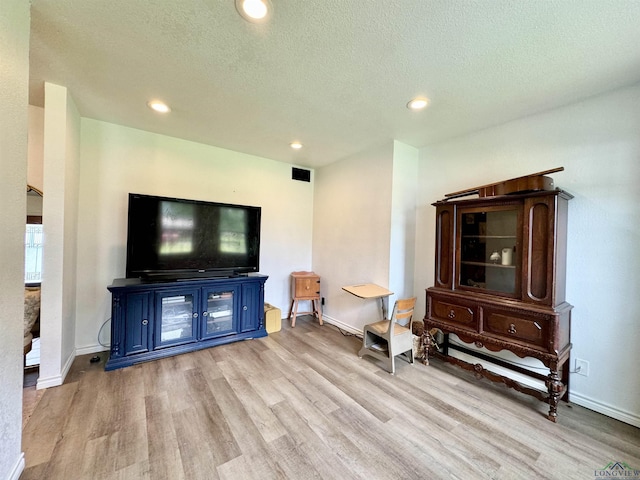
{"x": 403, "y": 222}
{"x": 14, "y": 79}
{"x": 351, "y": 233}
{"x": 36, "y": 147}
{"x": 61, "y": 160}
{"x": 117, "y": 160}
{"x": 598, "y": 143}
{"x": 34, "y": 205}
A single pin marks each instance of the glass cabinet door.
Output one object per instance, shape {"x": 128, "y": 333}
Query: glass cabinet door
{"x": 489, "y": 250}
{"x": 219, "y": 317}
{"x": 176, "y": 318}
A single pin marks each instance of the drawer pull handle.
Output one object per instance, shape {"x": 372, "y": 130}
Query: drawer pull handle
{"x": 537, "y": 325}
{"x": 145, "y": 322}
{"x": 452, "y": 314}
{"x": 512, "y": 329}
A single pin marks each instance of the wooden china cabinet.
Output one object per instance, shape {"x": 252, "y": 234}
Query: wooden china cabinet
{"x": 500, "y": 281}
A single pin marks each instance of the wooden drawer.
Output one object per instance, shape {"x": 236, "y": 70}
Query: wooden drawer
{"x": 514, "y": 326}
{"x": 454, "y": 313}
{"x": 305, "y": 285}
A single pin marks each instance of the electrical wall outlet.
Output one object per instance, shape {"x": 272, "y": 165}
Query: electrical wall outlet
{"x": 582, "y": 367}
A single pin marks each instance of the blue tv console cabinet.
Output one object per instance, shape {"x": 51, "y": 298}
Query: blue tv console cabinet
{"x": 151, "y": 320}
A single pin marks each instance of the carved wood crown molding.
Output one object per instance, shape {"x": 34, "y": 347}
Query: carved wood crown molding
{"x": 527, "y": 183}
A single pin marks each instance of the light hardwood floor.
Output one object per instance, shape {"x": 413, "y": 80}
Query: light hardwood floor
{"x": 300, "y": 404}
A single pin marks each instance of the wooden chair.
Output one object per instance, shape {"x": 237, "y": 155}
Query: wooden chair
{"x": 388, "y": 338}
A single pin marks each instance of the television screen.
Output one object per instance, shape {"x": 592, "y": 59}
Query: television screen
{"x": 171, "y": 237}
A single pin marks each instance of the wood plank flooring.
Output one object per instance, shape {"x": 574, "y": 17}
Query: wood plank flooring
{"x": 300, "y": 404}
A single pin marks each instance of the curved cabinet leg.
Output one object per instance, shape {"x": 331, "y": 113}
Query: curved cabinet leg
{"x": 426, "y": 344}
{"x": 555, "y": 387}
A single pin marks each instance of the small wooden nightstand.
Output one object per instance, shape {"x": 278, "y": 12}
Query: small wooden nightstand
{"x": 305, "y": 286}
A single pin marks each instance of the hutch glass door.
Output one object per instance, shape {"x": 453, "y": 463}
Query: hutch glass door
{"x": 220, "y": 318}
{"x": 489, "y": 250}
{"x": 177, "y": 318}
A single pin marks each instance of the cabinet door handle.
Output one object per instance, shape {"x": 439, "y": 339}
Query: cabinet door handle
{"x": 145, "y": 322}
{"x": 205, "y": 313}
{"x": 244, "y": 308}
{"x": 195, "y": 314}
{"x": 512, "y": 329}
{"x": 452, "y": 314}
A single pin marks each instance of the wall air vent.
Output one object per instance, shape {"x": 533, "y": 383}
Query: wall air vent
{"x": 301, "y": 174}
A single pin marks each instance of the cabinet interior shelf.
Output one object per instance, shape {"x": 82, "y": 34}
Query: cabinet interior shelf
{"x": 484, "y": 264}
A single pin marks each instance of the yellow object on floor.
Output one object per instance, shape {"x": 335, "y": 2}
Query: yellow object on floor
{"x": 272, "y": 318}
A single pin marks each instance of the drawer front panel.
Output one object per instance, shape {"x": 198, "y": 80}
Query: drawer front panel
{"x": 306, "y": 287}
{"x": 459, "y": 315}
{"x": 532, "y": 331}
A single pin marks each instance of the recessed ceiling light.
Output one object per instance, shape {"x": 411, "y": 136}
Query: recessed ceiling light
{"x": 296, "y": 145}
{"x": 255, "y": 11}
{"x": 418, "y": 103}
{"x": 159, "y": 106}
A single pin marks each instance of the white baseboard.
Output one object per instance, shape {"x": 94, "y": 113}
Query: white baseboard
{"x": 17, "y": 469}
{"x": 56, "y": 380}
{"x": 91, "y": 349}
{"x": 49, "y": 382}
{"x": 340, "y": 325}
{"x": 605, "y": 409}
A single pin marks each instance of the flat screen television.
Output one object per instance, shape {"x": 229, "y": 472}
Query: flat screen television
{"x": 173, "y": 238}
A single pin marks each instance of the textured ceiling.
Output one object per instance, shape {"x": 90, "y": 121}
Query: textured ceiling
{"x": 333, "y": 74}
